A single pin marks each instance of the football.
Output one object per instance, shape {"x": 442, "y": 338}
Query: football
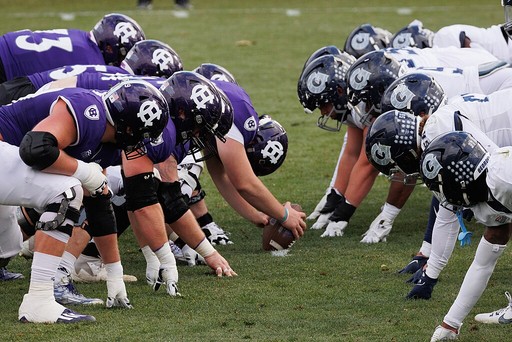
{"x": 276, "y": 237}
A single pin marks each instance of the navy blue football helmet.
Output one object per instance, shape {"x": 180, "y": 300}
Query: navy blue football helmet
{"x": 367, "y": 79}
{"x": 366, "y": 38}
{"x": 413, "y": 35}
{"x": 325, "y": 50}
{"x": 454, "y": 168}
{"x": 196, "y": 106}
{"x": 152, "y": 58}
{"x": 115, "y": 34}
{"x": 392, "y": 145}
{"x": 139, "y": 113}
{"x": 416, "y": 93}
{"x": 323, "y": 81}
{"x": 215, "y": 72}
{"x": 267, "y": 151}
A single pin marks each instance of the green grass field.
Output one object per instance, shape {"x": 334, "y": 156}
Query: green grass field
{"x": 325, "y": 289}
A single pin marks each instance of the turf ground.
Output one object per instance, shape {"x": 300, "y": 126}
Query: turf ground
{"x": 325, "y": 289}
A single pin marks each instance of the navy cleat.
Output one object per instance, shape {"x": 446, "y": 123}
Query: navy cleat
{"x": 7, "y": 276}
{"x": 415, "y": 264}
{"x": 423, "y": 288}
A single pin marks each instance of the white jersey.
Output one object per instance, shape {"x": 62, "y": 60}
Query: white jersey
{"x": 487, "y": 117}
{"x": 499, "y": 181}
{"x": 441, "y": 57}
{"x": 490, "y": 39}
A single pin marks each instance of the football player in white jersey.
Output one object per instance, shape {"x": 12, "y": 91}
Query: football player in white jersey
{"x": 366, "y": 80}
{"x": 487, "y": 117}
{"x": 462, "y": 173}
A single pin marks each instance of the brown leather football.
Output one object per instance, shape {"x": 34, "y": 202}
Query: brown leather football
{"x": 276, "y": 237}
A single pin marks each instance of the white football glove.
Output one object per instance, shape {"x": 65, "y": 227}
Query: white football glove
{"x": 117, "y": 296}
{"x": 318, "y": 207}
{"x": 192, "y": 257}
{"x": 91, "y": 176}
{"x": 169, "y": 277}
{"x": 322, "y": 221}
{"x": 378, "y": 231}
{"x": 335, "y": 229}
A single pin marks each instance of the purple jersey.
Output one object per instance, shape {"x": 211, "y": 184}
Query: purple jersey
{"x": 26, "y": 52}
{"x": 245, "y": 117}
{"x": 105, "y": 81}
{"x": 39, "y": 79}
{"x": 87, "y": 109}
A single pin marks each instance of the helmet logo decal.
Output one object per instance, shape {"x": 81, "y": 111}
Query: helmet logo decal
{"x": 149, "y": 111}
{"x": 92, "y": 113}
{"x": 359, "y": 78}
{"x": 316, "y": 82}
{"x": 430, "y": 166}
{"x": 250, "y": 124}
{"x": 360, "y": 40}
{"x": 274, "y": 150}
{"x": 125, "y": 31}
{"x": 402, "y": 40}
{"x": 162, "y": 58}
{"x": 219, "y": 77}
{"x": 381, "y": 154}
{"x": 401, "y": 96}
{"x": 201, "y": 95}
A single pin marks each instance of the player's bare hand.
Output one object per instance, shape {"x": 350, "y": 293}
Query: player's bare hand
{"x": 219, "y": 265}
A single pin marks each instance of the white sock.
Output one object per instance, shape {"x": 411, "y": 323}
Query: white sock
{"x": 390, "y": 212}
{"x": 425, "y": 249}
{"x": 165, "y": 256}
{"x": 43, "y": 268}
{"x": 444, "y": 239}
{"x": 475, "y": 281}
{"x": 152, "y": 261}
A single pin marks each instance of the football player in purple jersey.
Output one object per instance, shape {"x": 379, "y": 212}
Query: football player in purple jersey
{"x": 26, "y": 52}
{"x": 63, "y": 133}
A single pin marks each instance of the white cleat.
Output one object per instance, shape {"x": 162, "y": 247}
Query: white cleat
{"x": 501, "y": 316}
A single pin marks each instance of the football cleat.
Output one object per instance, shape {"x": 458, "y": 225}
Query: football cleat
{"x": 501, "y": 316}
{"x": 5, "y": 275}
{"x": 443, "y": 334}
{"x": 66, "y": 293}
{"x": 423, "y": 288}
{"x": 216, "y": 234}
{"x": 44, "y": 309}
{"x": 415, "y": 264}
{"x": 91, "y": 269}
{"x": 68, "y": 316}
{"x": 27, "y": 250}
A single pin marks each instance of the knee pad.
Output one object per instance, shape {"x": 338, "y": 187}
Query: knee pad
{"x": 27, "y": 218}
{"x": 63, "y": 214}
{"x": 173, "y": 202}
{"x": 101, "y": 219}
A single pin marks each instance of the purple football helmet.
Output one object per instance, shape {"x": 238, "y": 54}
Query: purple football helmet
{"x": 215, "y": 72}
{"x": 267, "y": 151}
{"x": 196, "y": 107}
{"x": 152, "y": 58}
{"x": 115, "y": 34}
{"x": 139, "y": 113}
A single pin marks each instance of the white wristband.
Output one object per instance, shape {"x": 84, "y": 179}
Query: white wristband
{"x": 82, "y": 171}
{"x": 205, "y": 248}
